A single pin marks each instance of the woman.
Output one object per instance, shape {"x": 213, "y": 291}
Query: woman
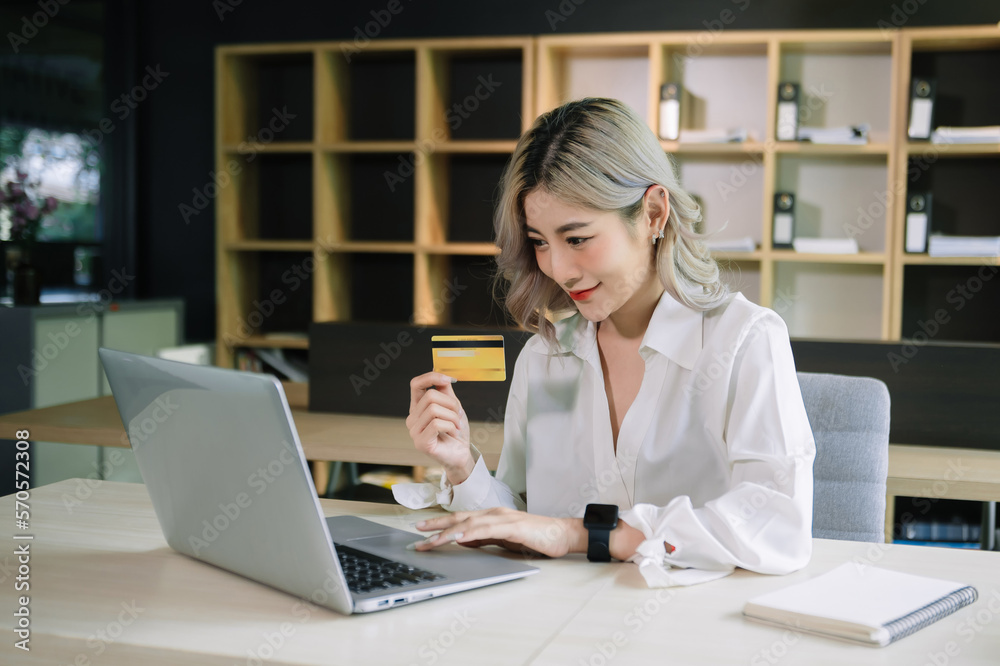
{"x": 663, "y": 394}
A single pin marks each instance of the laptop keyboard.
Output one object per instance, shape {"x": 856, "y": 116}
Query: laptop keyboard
{"x": 370, "y": 573}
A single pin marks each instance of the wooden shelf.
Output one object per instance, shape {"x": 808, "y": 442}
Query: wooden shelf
{"x": 491, "y": 146}
{"x": 500, "y": 146}
{"x": 275, "y": 341}
{"x": 818, "y": 258}
{"x": 367, "y": 247}
{"x": 403, "y": 189}
{"x": 927, "y": 260}
{"x": 756, "y": 255}
{"x": 270, "y": 246}
{"x": 468, "y": 249}
{"x": 735, "y": 148}
{"x": 272, "y": 147}
{"x": 368, "y": 146}
{"x": 953, "y": 149}
{"x": 830, "y": 150}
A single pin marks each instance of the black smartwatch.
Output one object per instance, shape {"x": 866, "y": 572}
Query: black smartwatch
{"x": 600, "y": 519}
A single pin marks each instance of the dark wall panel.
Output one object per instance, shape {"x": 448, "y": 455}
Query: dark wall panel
{"x": 175, "y": 123}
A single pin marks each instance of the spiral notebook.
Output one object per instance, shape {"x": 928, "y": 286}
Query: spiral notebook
{"x": 861, "y": 603}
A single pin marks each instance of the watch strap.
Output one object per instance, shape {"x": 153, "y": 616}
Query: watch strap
{"x": 599, "y": 545}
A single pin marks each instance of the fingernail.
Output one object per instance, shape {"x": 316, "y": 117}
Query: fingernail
{"x": 420, "y": 523}
{"x": 453, "y": 380}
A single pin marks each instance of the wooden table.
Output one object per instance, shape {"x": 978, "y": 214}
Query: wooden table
{"x": 325, "y": 437}
{"x": 942, "y": 473}
{"x": 914, "y": 471}
{"x": 106, "y": 589}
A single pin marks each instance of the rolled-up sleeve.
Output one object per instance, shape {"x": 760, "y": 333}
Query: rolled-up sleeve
{"x": 508, "y": 488}
{"x": 764, "y": 521}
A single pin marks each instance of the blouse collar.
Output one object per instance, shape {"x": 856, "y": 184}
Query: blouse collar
{"x": 674, "y": 331}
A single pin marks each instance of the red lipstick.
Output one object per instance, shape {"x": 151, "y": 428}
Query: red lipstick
{"x": 583, "y": 295}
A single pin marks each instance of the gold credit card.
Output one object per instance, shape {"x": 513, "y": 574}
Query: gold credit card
{"x": 470, "y": 358}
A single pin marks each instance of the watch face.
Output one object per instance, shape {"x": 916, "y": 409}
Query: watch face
{"x": 601, "y": 516}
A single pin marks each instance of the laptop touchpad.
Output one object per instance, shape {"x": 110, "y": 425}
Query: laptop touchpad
{"x": 351, "y": 528}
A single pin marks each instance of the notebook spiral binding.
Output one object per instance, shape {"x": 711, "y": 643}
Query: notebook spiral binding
{"x": 930, "y": 613}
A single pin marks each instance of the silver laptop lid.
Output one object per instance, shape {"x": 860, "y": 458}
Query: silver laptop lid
{"x": 228, "y": 481}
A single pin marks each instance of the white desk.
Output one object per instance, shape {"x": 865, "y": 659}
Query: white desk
{"x": 103, "y": 568}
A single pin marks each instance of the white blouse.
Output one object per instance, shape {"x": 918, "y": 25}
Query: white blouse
{"x": 714, "y": 455}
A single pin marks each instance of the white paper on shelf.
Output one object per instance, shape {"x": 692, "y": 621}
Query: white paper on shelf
{"x": 744, "y": 244}
{"x": 731, "y": 135}
{"x": 670, "y": 117}
{"x": 920, "y": 118}
{"x": 916, "y": 232}
{"x": 783, "y": 228}
{"x": 964, "y": 246}
{"x": 826, "y": 245}
{"x": 788, "y": 114}
{"x": 849, "y": 135}
{"x": 985, "y": 134}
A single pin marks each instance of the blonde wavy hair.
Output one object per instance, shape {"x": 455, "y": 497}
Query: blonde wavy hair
{"x": 595, "y": 153}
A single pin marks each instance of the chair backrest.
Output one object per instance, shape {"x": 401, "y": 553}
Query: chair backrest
{"x": 850, "y": 422}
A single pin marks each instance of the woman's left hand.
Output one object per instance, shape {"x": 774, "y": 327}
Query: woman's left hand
{"x": 514, "y": 530}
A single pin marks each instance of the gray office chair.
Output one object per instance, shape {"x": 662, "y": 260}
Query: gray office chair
{"x": 850, "y": 422}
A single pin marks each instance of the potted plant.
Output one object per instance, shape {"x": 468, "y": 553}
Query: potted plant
{"x": 26, "y": 215}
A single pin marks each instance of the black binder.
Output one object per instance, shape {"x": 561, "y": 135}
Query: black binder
{"x": 670, "y": 111}
{"x": 918, "y": 222}
{"x": 922, "y": 94}
{"x": 788, "y": 112}
{"x": 783, "y": 227}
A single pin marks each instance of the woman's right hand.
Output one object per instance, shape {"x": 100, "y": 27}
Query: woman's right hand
{"x": 438, "y": 425}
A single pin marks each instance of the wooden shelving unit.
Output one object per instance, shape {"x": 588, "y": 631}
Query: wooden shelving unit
{"x": 359, "y": 208}
{"x": 962, "y": 177}
{"x": 732, "y": 81}
{"x": 378, "y": 195}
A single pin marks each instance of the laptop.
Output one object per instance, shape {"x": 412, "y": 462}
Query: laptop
{"x": 224, "y": 468}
